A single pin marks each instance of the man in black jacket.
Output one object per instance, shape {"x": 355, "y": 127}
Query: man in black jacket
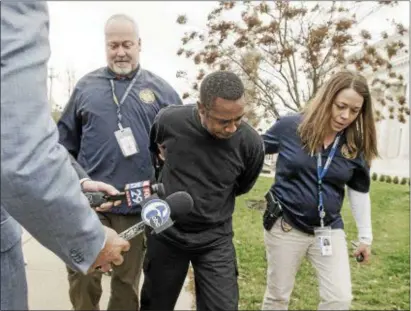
{"x": 210, "y": 152}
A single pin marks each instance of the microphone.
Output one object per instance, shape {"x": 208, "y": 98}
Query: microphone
{"x": 160, "y": 214}
{"x": 134, "y": 194}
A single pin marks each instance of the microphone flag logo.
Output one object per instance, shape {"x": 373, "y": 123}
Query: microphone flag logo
{"x": 156, "y": 213}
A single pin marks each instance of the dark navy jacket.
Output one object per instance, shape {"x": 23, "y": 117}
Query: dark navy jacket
{"x": 89, "y": 121}
{"x": 296, "y": 177}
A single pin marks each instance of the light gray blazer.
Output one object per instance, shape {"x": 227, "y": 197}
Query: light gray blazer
{"x": 40, "y": 190}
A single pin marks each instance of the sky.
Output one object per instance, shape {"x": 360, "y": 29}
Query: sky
{"x": 77, "y": 36}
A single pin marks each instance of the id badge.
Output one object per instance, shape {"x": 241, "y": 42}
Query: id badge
{"x": 126, "y": 141}
{"x": 323, "y": 237}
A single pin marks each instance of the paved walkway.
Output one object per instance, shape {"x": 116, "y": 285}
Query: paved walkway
{"x": 48, "y": 285}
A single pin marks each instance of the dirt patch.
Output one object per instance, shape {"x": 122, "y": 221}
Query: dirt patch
{"x": 258, "y": 205}
{"x": 191, "y": 285}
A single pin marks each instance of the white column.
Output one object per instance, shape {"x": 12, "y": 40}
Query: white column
{"x": 405, "y": 143}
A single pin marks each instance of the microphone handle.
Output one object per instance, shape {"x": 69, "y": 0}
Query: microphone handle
{"x": 130, "y": 233}
{"x": 133, "y": 231}
{"x": 97, "y": 198}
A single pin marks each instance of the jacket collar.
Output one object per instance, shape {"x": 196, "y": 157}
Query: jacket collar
{"x": 113, "y": 75}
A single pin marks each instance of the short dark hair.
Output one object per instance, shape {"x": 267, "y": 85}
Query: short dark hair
{"x": 224, "y": 84}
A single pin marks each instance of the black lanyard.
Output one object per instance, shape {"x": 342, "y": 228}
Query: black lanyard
{"x": 321, "y": 171}
{"x": 119, "y": 117}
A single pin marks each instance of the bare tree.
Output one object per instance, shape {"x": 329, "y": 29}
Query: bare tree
{"x": 286, "y": 50}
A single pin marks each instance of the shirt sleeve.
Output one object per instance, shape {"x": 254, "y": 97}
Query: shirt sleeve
{"x": 253, "y": 166}
{"x": 360, "y": 180}
{"x": 70, "y": 125}
{"x": 81, "y": 173}
{"x": 39, "y": 187}
{"x": 360, "y": 203}
{"x": 175, "y": 99}
{"x": 157, "y": 131}
{"x": 171, "y": 96}
{"x": 271, "y": 138}
{"x": 157, "y": 137}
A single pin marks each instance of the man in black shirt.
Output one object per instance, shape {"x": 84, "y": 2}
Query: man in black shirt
{"x": 211, "y": 153}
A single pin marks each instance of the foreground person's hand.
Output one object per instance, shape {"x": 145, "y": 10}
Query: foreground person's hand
{"x": 111, "y": 252}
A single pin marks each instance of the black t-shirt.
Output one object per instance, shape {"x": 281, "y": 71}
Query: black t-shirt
{"x": 296, "y": 177}
{"x": 213, "y": 171}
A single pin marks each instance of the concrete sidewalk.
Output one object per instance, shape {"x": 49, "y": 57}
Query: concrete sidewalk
{"x": 48, "y": 285}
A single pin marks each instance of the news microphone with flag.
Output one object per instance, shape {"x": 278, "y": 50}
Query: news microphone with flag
{"x": 161, "y": 214}
{"x": 158, "y": 214}
{"x": 133, "y": 194}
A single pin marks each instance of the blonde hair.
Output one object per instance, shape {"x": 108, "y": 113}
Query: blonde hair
{"x": 361, "y": 134}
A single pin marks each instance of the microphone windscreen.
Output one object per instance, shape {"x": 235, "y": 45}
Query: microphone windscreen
{"x": 180, "y": 204}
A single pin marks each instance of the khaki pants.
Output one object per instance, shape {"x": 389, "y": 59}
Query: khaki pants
{"x": 285, "y": 251}
{"x": 85, "y": 290}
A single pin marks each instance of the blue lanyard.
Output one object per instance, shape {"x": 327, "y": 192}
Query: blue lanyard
{"x": 119, "y": 117}
{"x": 321, "y": 171}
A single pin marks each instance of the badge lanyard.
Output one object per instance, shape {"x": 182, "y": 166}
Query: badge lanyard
{"x": 321, "y": 171}
{"x": 119, "y": 104}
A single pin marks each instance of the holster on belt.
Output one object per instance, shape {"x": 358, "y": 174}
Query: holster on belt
{"x": 273, "y": 211}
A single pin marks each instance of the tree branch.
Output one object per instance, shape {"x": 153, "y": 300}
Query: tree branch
{"x": 295, "y": 99}
{"x": 252, "y": 79}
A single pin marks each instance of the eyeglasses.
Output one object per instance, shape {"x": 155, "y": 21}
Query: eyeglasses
{"x": 225, "y": 122}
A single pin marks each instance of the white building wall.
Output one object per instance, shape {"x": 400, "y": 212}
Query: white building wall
{"x": 393, "y": 136}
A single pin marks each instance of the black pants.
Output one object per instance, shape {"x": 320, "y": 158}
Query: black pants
{"x": 166, "y": 266}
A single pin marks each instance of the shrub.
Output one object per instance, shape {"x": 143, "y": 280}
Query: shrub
{"x": 396, "y": 180}
{"x": 403, "y": 181}
{"x": 388, "y": 179}
{"x": 382, "y": 178}
{"x": 374, "y": 176}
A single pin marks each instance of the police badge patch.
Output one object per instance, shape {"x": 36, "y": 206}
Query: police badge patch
{"x": 147, "y": 96}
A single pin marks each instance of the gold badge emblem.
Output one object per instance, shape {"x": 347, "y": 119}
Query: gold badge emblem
{"x": 147, "y": 96}
{"x": 346, "y": 153}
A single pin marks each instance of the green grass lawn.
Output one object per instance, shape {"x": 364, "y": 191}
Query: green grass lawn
{"x": 384, "y": 284}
